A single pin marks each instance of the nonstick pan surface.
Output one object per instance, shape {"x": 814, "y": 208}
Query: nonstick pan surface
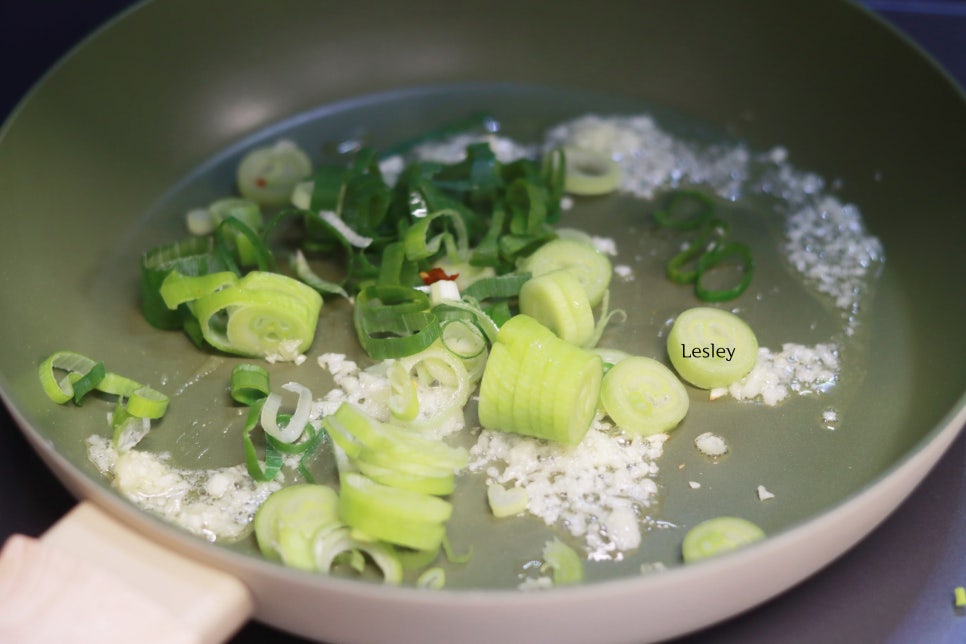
{"x": 953, "y": 349}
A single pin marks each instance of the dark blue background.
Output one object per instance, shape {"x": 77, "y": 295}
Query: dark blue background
{"x": 895, "y": 587}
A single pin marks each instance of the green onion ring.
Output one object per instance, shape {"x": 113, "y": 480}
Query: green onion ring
{"x": 296, "y": 426}
{"x": 710, "y": 260}
{"x": 249, "y": 383}
{"x": 701, "y": 244}
{"x": 393, "y": 321}
{"x": 669, "y": 218}
{"x": 73, "y": 363}
{"x": 273, "y": 458}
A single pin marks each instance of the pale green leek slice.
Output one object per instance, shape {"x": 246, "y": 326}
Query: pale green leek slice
{"x": 564, "y": 562}
{"x": 264, "y": 315}
{"x": 401, "y": 517}
{"x": 60, "y": 391}
{"x": 433, "y": 578}
{"x": 717, "y": 536}
{"x": 403, "y": 399}
{"x": 287, "y": 521}
{"x": 558, "y": 301}
{"x": 296, "y": 424}
{"x": 644, "y": 397}
{"x": 436, "y": 482}
{"x": 538, "y": 385}
{"x": 134, "y": 399}
{"x": 591, "y": 267}
{"x": 177, "y": 289}
{"x": 506, "y": 502}
{"x": 148, "y": 403}
{"x": 268, "y": 174}
{"x": 249, "y": 383}
{"x": 711, "y": 347}
{"x": 590, "y": 173}
{"x": 463, "y": 338}
{"x": 339, "y": 541}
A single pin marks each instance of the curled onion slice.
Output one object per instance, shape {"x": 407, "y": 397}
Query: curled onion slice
{"x": 296, "y": 425}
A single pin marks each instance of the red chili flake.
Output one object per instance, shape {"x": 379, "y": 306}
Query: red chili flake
{"x": 260, "y": 182}
{"x": 435, "y": 275}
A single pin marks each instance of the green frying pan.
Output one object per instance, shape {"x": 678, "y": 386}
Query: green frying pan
{"x": 149, "y": 116}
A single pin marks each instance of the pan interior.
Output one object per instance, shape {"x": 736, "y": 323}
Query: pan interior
{"x": 793, "y": 449}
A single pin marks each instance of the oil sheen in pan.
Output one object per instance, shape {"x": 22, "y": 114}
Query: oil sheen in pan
{"x": 802, "y": 450}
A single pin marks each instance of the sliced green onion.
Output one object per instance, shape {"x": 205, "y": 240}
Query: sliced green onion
{"x": 717, "y": 257}
{"x": 463, "y": 339}
{"x": 245, "y": 211}
{"x": 499, "y": 286}
{"x": 604, "y": 318}
{"x": 85, "y": 383}
{"x": 564, "y": 562}
{"x": 591, "y": 267}
{"x": 443, "y": 291}
{"x": 528, "y": 205}
{"x": 146, "y": 402}
{"x": 345, "y": 232}
{"x": 396, "y": 446}
{"x": 402, "y": 517}
{"x": 273, "y": 457}
{"x": 432, "y": 578}
{"x": 692, "y": 210}
{"x": 643, "y": 396}
{"x": 118, "y": 385}
{"x": 437, "y": 483}
{"x": 268, "y": 174}
{"x": 392, "y": 456}
{"x": 685, "y": 210}
{"x": 403, "y": 399}
{"x": 73, "y": 363}
{"x": 338, "y": 541}
{"x": 419, "y": 244}
{"x": 437, "y": 364}
{"x": 249, "y": 383}
{"x": 711, "y": 234}
{"x": 590, "y": 173}
{"x": 128, "y": 429}
{"x": 192, "y": 256}
{"x": 250, "y": 248}
{"x": 262, "y": 315}
{"x": 538, "y": 385}
{"x": 200, "y": 221}
{"x": 711, "y": 347}
{"x": 467, "y": 308}
{"x": 557, "y": 300}
{"x": 420, "y": 470}
{"x": 84, "y": 375}
{"x": 287, "y": 521}
{"x": 717, "y": 536}
{"x": 296, "y": 426}
{"x": 394, "y": 321}
{"x": 506, "y": 502}
{"x": 553, "y": 168}
{"x": 302, "y": 195}
{"x": 487, "y": 252}
{"x": 177, "y": 289}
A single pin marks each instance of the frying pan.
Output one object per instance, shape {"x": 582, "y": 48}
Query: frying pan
{"x": 180, "y": 107}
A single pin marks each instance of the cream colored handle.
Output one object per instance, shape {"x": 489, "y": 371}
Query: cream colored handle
{"x": 91, "y": 578}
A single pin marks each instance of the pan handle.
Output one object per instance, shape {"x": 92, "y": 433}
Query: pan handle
{"x": 91, "y": 578}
